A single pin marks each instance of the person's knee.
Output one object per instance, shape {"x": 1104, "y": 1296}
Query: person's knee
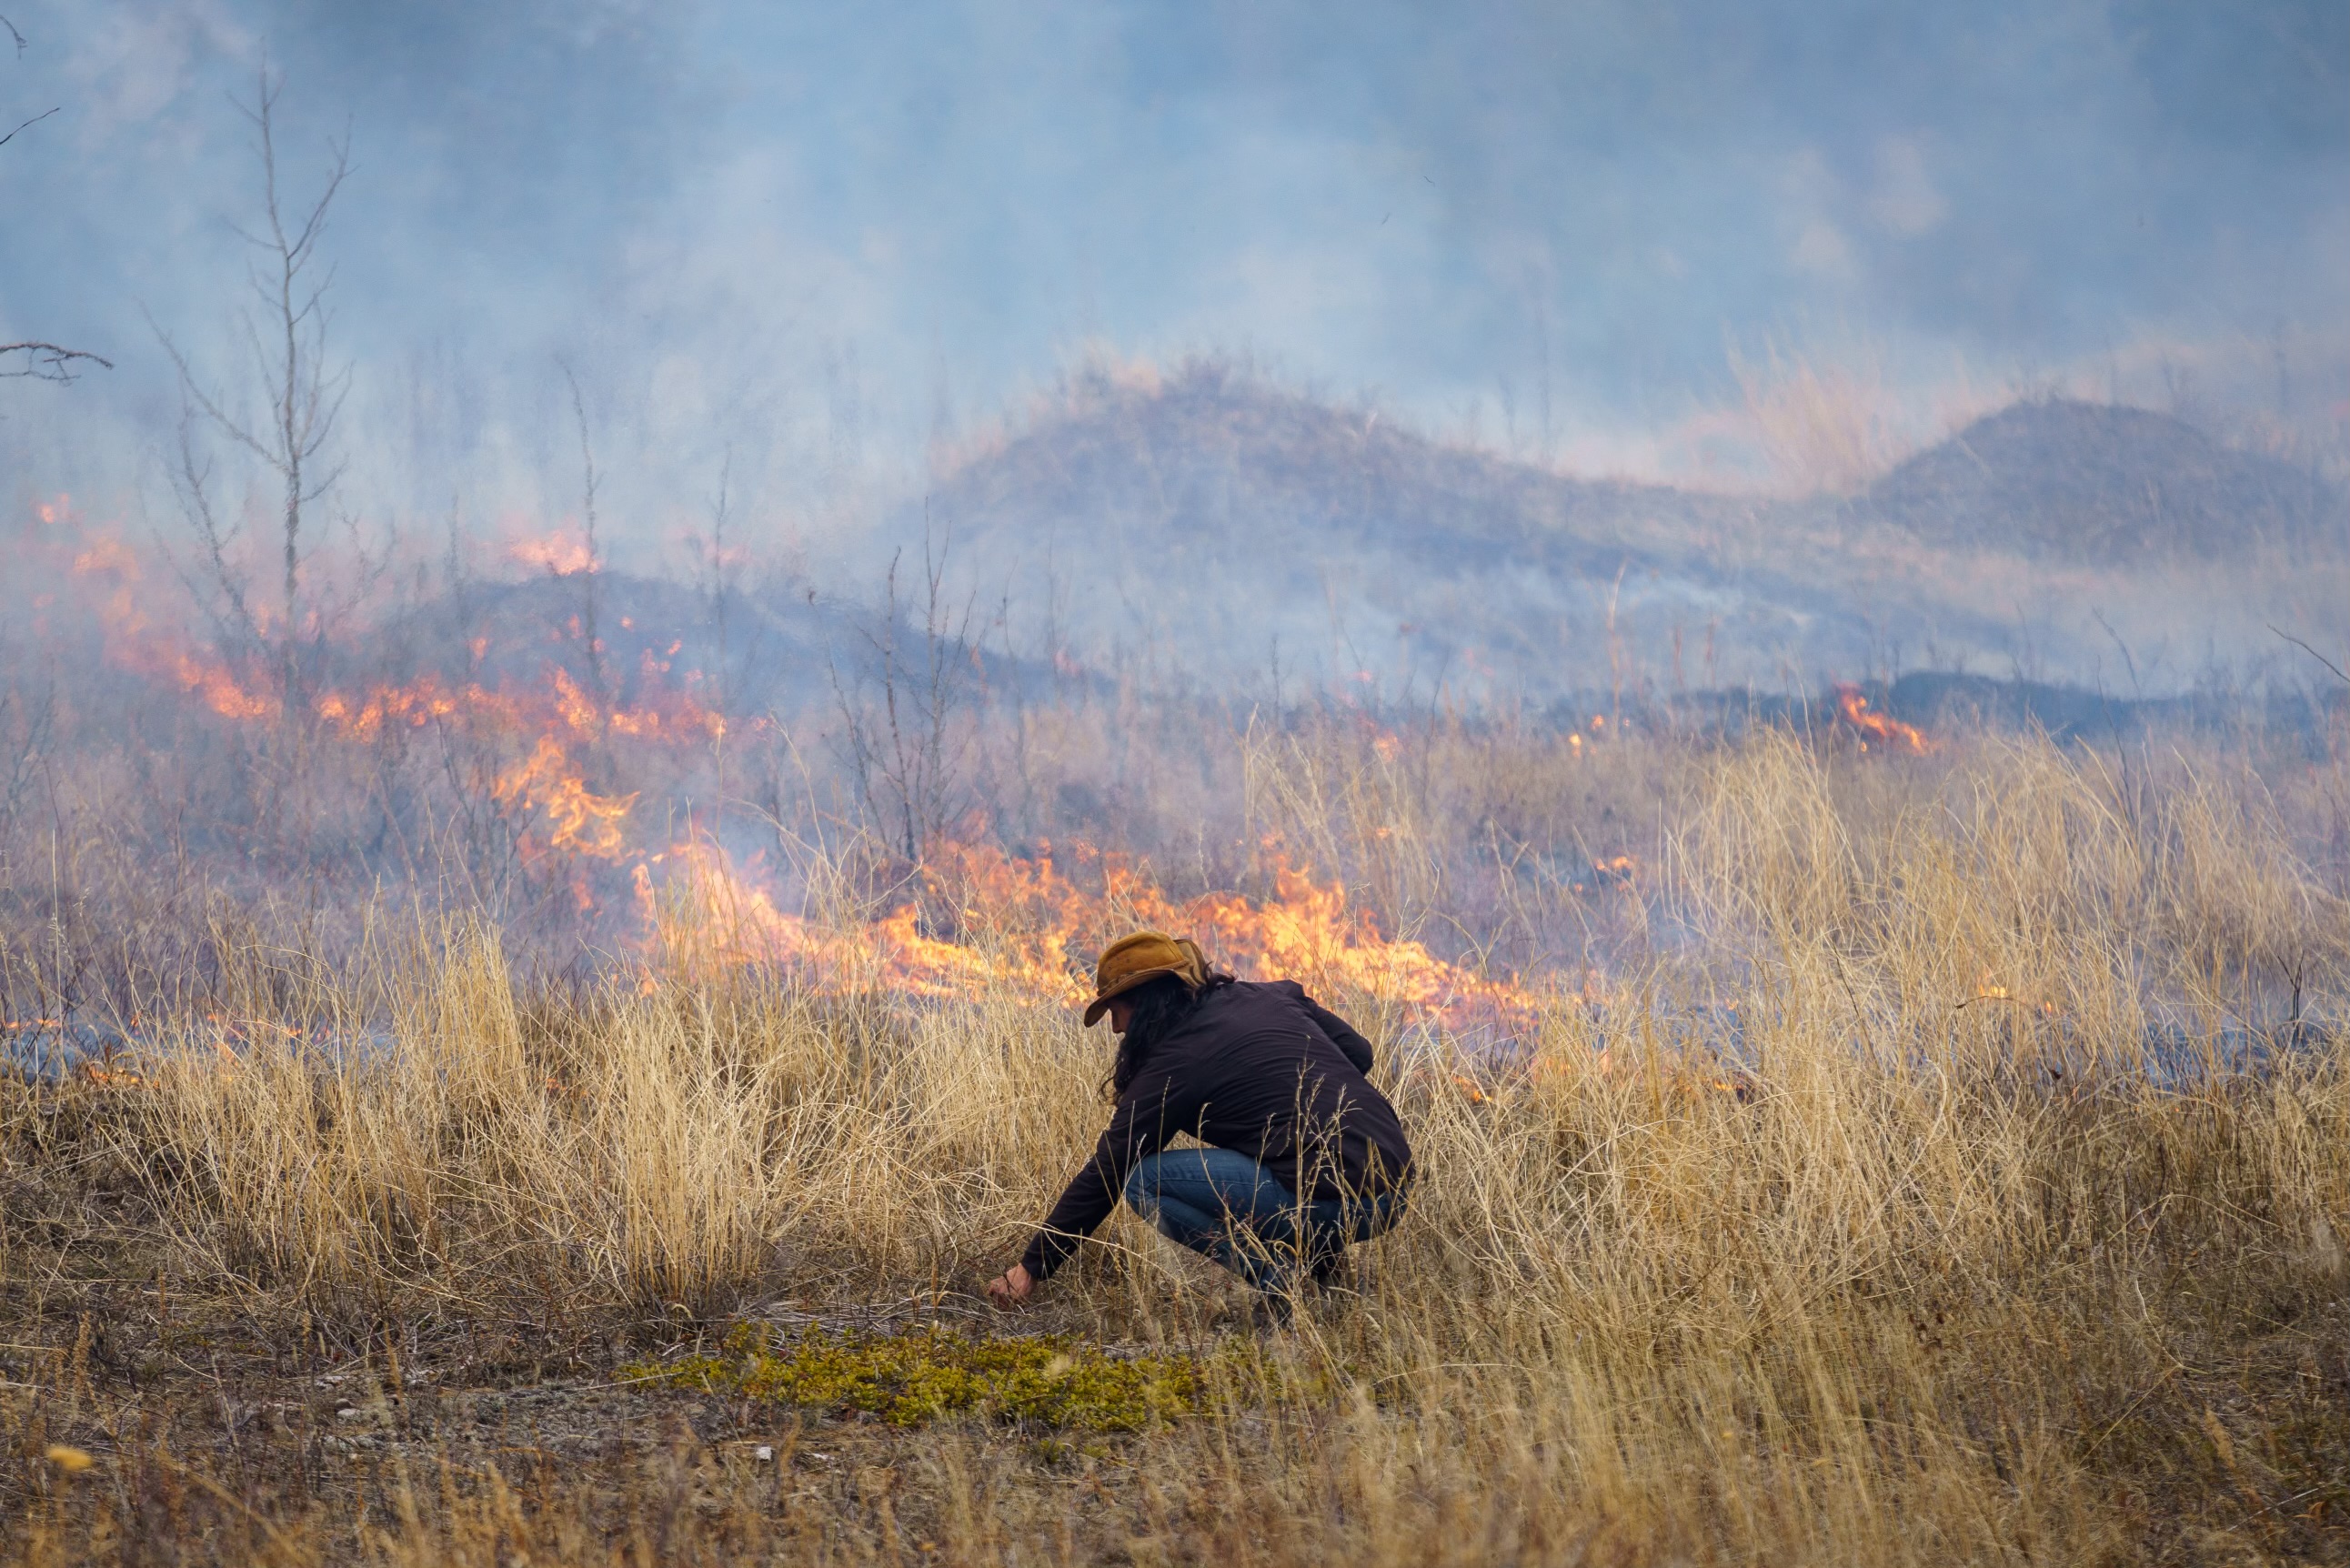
{"x": 1141, "y": 1189}
{"x": 1373, "y": 1217}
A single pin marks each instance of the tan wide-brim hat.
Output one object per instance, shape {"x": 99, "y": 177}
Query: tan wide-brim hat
{"x": 1145, "y": 955}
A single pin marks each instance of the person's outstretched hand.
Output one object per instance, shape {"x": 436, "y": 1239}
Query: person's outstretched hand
{"x": 1011, "y": 1287}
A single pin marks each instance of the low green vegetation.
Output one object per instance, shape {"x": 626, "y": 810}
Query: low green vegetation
{"x": 918, "y": 1376}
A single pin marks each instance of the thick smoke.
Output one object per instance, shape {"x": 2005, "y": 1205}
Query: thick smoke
{"x": 816, "y": 249}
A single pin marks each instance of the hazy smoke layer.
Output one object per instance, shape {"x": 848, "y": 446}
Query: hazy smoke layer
{"x": 807, "y": 244}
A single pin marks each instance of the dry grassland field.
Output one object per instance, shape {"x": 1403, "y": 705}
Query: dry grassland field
{"x": 608, "y": 612}
{"x": 1841, "y": 1144}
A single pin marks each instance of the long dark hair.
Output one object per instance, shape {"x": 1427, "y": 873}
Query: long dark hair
{"x": 1160, "y": 1005}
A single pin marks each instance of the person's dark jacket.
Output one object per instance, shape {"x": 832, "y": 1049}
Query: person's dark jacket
{"x": 1262, "y": 1069}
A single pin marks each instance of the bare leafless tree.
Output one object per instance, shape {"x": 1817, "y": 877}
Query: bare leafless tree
{"x": 28, "y": 717}
{"x": 40, "y": 361}
{"x": 287, "y": 339}
{"x": 586, "y": 575}
{"x": 904, "y": 743}
{"x": 716, "y": 586}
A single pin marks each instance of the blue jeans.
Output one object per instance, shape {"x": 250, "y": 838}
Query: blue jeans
{"x": 1225, "y": 1206}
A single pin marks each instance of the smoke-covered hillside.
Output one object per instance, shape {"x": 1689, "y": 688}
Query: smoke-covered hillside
{"x": 2083, "y": 481}
{"x": 1211, "y": 521}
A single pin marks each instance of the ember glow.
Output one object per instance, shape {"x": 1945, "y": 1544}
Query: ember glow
{"x": 1617, "y": 870}
{"x": 1989, "y": 989}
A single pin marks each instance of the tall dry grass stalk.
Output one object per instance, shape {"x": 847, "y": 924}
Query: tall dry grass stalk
{"x": 1862, "y": 1224}
{"x": 1823, "y": 422}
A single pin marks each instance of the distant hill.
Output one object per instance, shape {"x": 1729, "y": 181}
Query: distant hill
{"x": 2094, "y": 482}
{"x": 1208, "y": 511}
{"x": 1205, "y": 520}
{"x": 1208, "y": 458}
{"x": 771, "y": 646}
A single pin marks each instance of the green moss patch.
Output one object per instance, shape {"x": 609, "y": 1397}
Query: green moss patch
{"x": 919, "y": 1375}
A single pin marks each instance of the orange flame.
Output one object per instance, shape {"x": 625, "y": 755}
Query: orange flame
{"x": 1854, "y": 707}
{"x": 106, "y": 554}
{"x": 578, "y": 822}
{"x": 1989, "y": 989}
{"x": 702, "y": 912}
{"x": 560, "y": 705}
{"x": 391, "y": 707}
{"x": 110, "y": 566}
{"x": 562, "y": 552}
{"x": 1019, "y": 924}
{"x": 220, "y": 691}
{"x": 983, "y": 919}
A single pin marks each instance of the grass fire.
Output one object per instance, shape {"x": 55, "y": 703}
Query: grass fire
{"x": 1875, "y": 1126}
{"x": 675, "y": 890}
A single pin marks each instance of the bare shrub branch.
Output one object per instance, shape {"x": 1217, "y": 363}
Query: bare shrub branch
{"x": 904, "y": 744}
{"x": 46, "y": 361}
{"x": 40, "y": 362}
{"x": 288, "y": 340}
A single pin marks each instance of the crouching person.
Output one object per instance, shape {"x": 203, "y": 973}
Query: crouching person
{"x": 1307, "y": 1158}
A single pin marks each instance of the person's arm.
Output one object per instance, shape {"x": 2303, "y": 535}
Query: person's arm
{"x": 1342, "y": 1034}
{"x": 1133, "y": 1133}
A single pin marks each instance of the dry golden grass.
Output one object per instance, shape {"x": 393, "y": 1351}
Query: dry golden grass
{"x": 1947, "y": 1266}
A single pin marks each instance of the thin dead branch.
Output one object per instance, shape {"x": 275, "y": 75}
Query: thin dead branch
{"x": 46, "y": 361}
{"x": 287, "y": 338}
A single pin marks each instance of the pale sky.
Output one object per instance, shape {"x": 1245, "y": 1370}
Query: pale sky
{"x": 797, "y": 231}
